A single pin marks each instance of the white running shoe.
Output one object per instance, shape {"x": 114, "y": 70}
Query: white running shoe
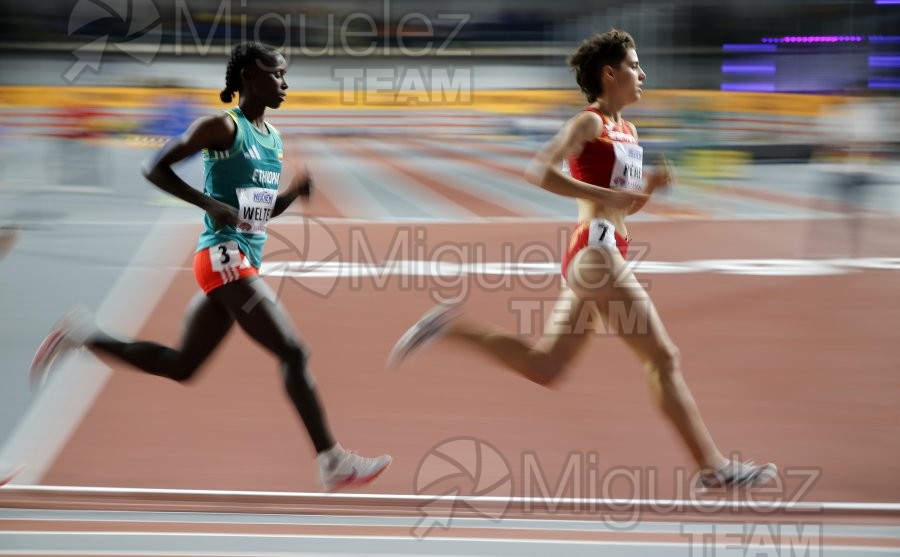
{"x": 339, "y": 468}
{"x": 739, "y": 475}
{"x": 429, "y": 328}
{"x": 70, "y": 333}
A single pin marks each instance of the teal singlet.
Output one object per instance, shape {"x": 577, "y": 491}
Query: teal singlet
{"x": 245, "y": 177}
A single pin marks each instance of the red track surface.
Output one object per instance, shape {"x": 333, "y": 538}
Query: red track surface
{"x": 796, "y": 370}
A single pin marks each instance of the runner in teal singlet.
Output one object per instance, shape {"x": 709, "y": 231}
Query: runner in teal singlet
{"x": 245, "y": 176}
{"x": 242, "y": 161}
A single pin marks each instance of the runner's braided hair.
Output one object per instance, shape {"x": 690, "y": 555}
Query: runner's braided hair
{"x": 602, "y": 49}
{"x": 242, "y": 56}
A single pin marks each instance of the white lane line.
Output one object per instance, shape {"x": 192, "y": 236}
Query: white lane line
{"x": 599, "y": 524}
{"x": 444, "y": 268}
{"x": 182, "y": 543}
{"x": 285, "y": 497}
{"x": 58, "y": 409}
{"x": 331, "y": 269}
{"x": 388, "y": 219}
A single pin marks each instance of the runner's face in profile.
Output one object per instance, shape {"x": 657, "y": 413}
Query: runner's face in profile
{"x": 268, "y": 82}
{"x": 627, "y": 81}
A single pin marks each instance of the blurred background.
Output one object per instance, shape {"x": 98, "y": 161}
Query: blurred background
{"x": 427, "y": 111}
{"x": 775, "y": 252}
{"x": 729, "y": 83}
{"x": 757, "y": 82}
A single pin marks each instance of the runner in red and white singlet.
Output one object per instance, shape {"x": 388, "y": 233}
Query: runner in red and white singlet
{"x": 605, "y": 176}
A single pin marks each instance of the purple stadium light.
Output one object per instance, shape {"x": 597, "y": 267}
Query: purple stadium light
{"x": 749, "y": 68}
{"x": 884, "y": 83}
{"x": 884, "y": 61}
{"x": 815, "y": 38}
{"x": 749, "y": 47}
{"x": 749, "y": 87}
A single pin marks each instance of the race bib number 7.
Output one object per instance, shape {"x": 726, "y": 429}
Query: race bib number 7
{"x": 602, "y": 233}
{"x": 627, "y": 169}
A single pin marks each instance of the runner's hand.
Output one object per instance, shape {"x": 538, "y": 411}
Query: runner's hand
{"x": 222, "y": 214}
{"x": 302, "y": 183}
{"x": 663, "y": 175}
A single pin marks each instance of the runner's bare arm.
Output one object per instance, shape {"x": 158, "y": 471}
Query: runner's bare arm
{"x": 301, "y": 185}
{"x": 543, "y": 170}
{"x": 211, "y": 132}
{"x": 660, "y": 177}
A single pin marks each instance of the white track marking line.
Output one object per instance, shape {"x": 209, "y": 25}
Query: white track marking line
{"x": 56, "y": 412}
{"x": 278, "y": 544}
{"x": 437, "y": 268}
{"x": 702, "y": 505}
{"x": 403, "y": 521}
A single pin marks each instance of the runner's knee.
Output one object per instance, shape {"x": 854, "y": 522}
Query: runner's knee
{"x": 293, "y": 353}
{"x": 665, "y": 361}
{"x": 294, "y": 360}
{"x": 546, "y": 370}
{"x": 183, "y": 370}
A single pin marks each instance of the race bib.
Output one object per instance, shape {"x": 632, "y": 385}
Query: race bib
{"x": 602, "y": 233}
{"x": 626, "y": 173}
{"x": 224, "y": 256}
{"x": 254, "y": 209}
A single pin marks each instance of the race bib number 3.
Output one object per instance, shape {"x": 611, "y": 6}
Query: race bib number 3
{"x": 255, "y": 208}
{"x": 224, "y": 256}
{"x": 627, "y": 169}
